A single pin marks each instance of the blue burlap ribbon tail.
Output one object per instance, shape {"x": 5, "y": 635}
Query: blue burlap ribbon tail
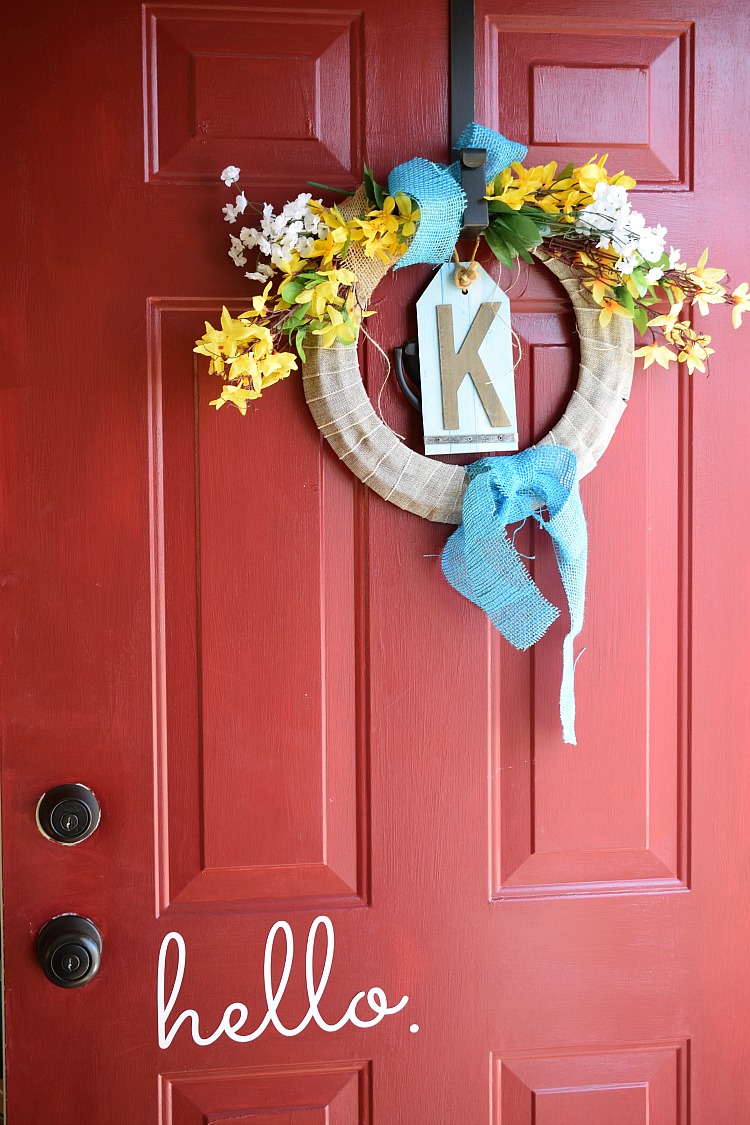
{"x": 480, "y": 561}
{"x": 442, "y": 201}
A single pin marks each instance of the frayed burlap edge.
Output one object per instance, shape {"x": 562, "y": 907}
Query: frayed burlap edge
{"x": 604, "y": 378}
{"x": 345, "y": 416}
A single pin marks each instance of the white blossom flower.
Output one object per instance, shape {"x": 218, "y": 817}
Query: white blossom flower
{"x": 613, "y": 220}
{"x": 609, "y": 210}
{"x": 291, "y": 235}
{"x": 230, "y": 175}
{"x": 240, "y": 203}
{"x": 269, "y": 223}
{"x": 230, "y": 215}
{"x": 591, "y": 220}
{"x": 654, "y": 274}
{"x": 236, "y": 252}
{"x": 262, "y": 273}
{"x": 296, "y": 208}
{"x": 627, "y": 263}
{"x": 280, "y": 255}
{"x": 249, "y": 237}
{"x": 636, "y": 222}
{"x": 621, "y": 236}
{"x": 610, "y": 197}
{"x": 278, "y": 237}
{"x": 651, "y": 243}
{"x": 674, "y": 257}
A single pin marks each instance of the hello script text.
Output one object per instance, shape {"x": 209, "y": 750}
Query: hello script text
{"x": 236, "y": 1015}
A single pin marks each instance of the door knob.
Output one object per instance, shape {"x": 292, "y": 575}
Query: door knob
{"x": 69, "y": 949}
{"x": 68, "y": 813}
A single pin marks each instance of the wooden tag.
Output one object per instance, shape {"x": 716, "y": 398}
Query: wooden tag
{"x": 466, "y": 365}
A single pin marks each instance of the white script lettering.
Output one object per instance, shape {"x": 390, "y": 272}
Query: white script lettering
{"x": 236, "y": 1015}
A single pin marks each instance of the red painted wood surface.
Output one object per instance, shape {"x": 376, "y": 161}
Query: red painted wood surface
{"x": 257, "y": 666}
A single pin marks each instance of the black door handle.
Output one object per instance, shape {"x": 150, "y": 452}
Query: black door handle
{"x": 68, "y": 813}
{"x": 69, "y": 949}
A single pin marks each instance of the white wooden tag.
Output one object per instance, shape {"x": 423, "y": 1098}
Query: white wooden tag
{"x": 454, "y": 417}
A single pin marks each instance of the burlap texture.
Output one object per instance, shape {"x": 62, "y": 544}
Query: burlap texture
{"x": 344, "y": 414}
{"x": 370, "y": 271}
{"x": 604, "y": 379}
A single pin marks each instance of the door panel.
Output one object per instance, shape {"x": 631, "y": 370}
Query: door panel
{"x": 205, "y": 65}
{"x": 579, "y": 83}
{"x": 621, "y": 1087}
{"x": 337, "y": 1095}
{"x": 255, "y": 663}
{"x": 255, "y": 625}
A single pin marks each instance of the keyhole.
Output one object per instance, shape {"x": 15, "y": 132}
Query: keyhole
{"x": 70, "y": 822}
{"x": 71, "y": 962}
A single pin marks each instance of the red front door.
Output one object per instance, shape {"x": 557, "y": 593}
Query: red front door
{"x": 285, "y": 712}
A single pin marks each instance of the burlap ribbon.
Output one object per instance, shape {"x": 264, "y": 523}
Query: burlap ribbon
{"x": 481, "y": 562}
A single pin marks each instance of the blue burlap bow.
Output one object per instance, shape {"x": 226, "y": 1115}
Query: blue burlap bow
{"x": 437, "y": 189}
{"x": 480, "y": 561}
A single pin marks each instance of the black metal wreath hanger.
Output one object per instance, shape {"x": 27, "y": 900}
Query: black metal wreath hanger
{"x": 462, "y": 112}
{"x": 472, "y": 162}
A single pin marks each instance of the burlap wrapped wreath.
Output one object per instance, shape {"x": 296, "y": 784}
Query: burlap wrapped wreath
{"x": 345, "y": 416}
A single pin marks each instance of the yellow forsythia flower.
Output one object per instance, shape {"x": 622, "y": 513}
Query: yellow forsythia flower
{"x": 656, "y": 353}
{"x": 741, "y": 303}
{"x": 243, "y": 353}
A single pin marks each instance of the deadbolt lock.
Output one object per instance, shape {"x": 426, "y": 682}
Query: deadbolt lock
{"x": 68, "y": 813}
{"x": 69, "y": 949}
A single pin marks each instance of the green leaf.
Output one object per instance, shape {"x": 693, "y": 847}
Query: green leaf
{"x": 639, "y": 278}
{"x": 528, "y": 228}
{"x": 328, "y": 187}
{"x": 375, "y": 193}
{"x": 526, "y": 256}
{"x": 291, "y": 291}
{"x": 369, "y": 183}
{"x": 298, "y": 343}
{"x": 624, "y": 298}
{"x": 513, "y": 239}
{"x": 566, "y": 173}
{"x": 499, "y": 247}
{"x": 498, "y": 207}
{"x": 295, "y": 319}
{"x": 524, "y": 231}
{"x": 640, "y": 319}
{"x": 517, "y": 244}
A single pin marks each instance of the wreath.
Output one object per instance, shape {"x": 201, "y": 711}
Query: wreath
{"x": 320, "y": 265}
